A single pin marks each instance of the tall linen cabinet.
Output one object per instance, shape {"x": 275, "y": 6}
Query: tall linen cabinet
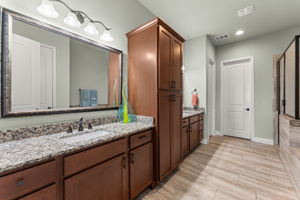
{"x": 155, "y": 88}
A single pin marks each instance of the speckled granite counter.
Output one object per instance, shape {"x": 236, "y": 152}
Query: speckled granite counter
{"x": 188, "y": 112}
{"x": 18, "y": 153}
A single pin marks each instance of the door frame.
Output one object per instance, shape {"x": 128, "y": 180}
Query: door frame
{"x": 211, "y": 100}
{"x": 252, "y": 109}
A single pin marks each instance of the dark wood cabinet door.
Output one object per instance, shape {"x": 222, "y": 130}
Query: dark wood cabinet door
{"x": 141, "y": 169}
{"x": 185, "y": 140}
{"x": 164, "y": 134}
{"x": 105, "y": 181}
{"x": 176, "y": 129}
{"x": 165, "y": 59}
{"x": 177, "y": 64}
{"x": 48, "y": 193}
{"x": 194, "y": 135}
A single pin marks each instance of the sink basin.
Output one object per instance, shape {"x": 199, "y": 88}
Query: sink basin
{"x": 84, "y": 136}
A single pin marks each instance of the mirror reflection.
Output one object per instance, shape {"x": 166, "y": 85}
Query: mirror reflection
{"x": 53, "y": 71}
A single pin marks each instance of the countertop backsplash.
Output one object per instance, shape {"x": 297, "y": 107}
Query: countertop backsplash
{"x": 41, "y": 130}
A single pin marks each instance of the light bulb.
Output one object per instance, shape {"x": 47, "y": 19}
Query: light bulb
{"x": 47, "y": 9}
{"x": 71, "y": 20}
{"x": 106, "y": 36}
{"x": 239, "y": 32}
{"x": 91, "y": 29}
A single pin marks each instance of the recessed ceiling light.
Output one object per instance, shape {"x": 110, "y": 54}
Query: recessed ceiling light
{"x": 239, "y": 32}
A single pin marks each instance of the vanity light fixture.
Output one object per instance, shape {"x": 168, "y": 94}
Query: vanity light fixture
{"x": 239, "y": 32}
{"x": 91, "y": 29}
{"x": 75, "y": 18}
{"x": 71, "y": 20}
{"x": 106, "y": 36}
{"x": 47, "y": 9}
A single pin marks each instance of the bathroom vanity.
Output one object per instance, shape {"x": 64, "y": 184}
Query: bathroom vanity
{"x": 192, "y": 129}
{"x": 115, "y": 165}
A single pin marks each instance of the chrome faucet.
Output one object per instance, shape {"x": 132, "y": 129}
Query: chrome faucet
{"x": 80, "y": 124}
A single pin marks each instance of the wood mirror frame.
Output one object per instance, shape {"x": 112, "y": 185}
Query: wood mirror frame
{"x": 6, "y": 29}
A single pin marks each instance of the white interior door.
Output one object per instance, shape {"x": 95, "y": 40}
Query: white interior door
{"x": 46, "y": 76}
{"x": 25, "y": 62}
{"x": 237, "y": 98}
{"x": 33, "y": 75}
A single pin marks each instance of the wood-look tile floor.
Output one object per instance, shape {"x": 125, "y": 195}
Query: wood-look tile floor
{"x": 227, "y": 169}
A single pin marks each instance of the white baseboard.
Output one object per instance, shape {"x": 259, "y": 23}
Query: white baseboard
{"x": 219, "y": 133}
{"x": 204, "y": 141}
{"x": 263, "y": 140}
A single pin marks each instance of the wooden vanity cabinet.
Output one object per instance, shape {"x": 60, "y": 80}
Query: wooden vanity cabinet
{"x": 141, "y": 169}
{"x": 108, "y": 180}
{"x": 169, "y": 132}
{"x": 154, "y": 81}
{"x": 192, "y": 133}
{"x": 185, "y": 140}
{"x": 120, "y": 170}
{"x": 170, "y": 61}
{"x": 140, "y": 162}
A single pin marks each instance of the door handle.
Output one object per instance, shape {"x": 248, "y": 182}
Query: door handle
{"x": 132, "y": 158}
{"x": 124, "y": 162}
{"x": 247, "y": 109}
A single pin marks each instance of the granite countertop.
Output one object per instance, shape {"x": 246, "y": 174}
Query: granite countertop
{"x": 18, "y": 153}
{"x": 189, "y": 112}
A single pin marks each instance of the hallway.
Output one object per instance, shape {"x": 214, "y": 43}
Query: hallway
{"x": 227, "y": 168}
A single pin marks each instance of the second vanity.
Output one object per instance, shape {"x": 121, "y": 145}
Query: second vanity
{"x": 192, "y": 129}
{"x": 116, "y": 165}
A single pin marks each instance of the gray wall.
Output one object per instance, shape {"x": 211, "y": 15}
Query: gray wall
{"x": 262, "y": 48}
{"x": 197, "y": 53}
{"x": 121, "y": 16}
{"x": 89, "y": 70}
{"x": 62, "y": 45}
{"x": 194, "y": 76}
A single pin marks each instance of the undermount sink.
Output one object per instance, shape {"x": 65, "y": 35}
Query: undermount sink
{"x": 84, "y": 136}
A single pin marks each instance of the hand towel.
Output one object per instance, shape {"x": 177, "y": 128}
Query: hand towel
{"x": 84, "y": 98}
{"x": 94, "y": 98}
{"x": 195, "y": 100}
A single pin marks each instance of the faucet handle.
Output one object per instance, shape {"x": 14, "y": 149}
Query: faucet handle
{"x": 90, "y": 126}
{"x": 70, "y": 129}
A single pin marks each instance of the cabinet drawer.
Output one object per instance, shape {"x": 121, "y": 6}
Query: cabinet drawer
{"x": 26, "y": 181}
{"x": 185, "y": 122}
{"x": 48, "y": 193}
{"x": 88, "y": 158}
{"x": 140, "y": 138}
{"x": 194, "y": 119}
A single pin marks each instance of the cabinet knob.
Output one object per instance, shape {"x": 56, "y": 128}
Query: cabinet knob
{"x": 142, "y": 137}
{"x": 20, "y": 182}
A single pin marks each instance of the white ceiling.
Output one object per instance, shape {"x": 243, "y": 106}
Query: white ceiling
{"x": 193, "y": 18}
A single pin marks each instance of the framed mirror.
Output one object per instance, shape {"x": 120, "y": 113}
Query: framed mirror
{"x": 47, "y": 70}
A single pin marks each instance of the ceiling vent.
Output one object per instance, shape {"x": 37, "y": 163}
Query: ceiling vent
{"x": 246, "y": 11}
{"x": 222, "y": 37}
